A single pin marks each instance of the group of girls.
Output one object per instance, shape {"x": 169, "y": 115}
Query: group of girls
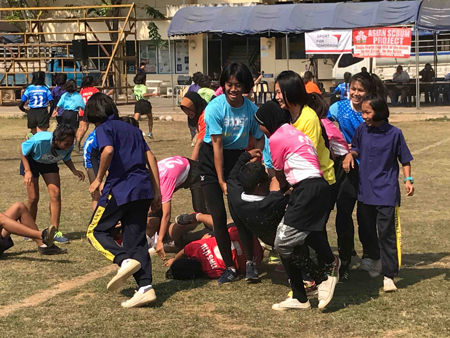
{"x": 230, "y": 119}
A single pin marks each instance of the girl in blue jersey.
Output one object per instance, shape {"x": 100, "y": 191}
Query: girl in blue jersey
{"x": 229, "y": 122}
{"x": 40, "y": 156}
{"x": 343, "y": 89}
{"x": 131, "y": 187}
{"x": 71, "y": 102}
{"x": 38, "y": 97}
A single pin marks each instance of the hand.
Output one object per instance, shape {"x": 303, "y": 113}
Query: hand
{"x": 79, "y": 174}
{"x": 27, "y": 177}
{"x": 348, "y": 163}
{"x": 223, "y": 186}
{"x": 94, "y": 186}
{"x": 156, "y": 202}
{"x": 255, "y": 154}
{"x": 409, "y": 188}
{"x": 160, "y": 250}
{"x": 55, "y": 113}
{"x": 169, "y": 262}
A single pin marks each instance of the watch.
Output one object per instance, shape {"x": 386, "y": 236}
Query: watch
{"x": 409, "y": 179}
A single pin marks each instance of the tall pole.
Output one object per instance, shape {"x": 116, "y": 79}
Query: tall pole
{"x": 287, "y": 51}
{"x": 171, "y": 76}
{"x": 416, "y": 40}
{"x": 207, "y": 54}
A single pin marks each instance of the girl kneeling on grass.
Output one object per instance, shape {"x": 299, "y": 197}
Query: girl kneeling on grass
{"x": 295, "y": 161}
{"x": 379, "y": 146}
{"x": 131, "y": 186}
{"x": 40, "y": 156}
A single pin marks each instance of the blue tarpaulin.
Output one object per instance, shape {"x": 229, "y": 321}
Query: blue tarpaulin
{"x": 292, "y": 18}
{"x": 434, "y": 15}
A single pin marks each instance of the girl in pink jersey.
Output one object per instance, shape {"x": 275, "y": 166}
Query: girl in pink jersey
{"x": 175, "y": 173}
{"x": 296, "y": 163}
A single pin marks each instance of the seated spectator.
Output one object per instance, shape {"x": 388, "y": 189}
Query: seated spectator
{"x": 401, "y": 88}
{"x": 427, "y": 75}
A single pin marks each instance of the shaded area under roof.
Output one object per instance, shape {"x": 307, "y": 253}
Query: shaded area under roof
{"x": 292, "y": 18}
{"x": 434, "y": 15}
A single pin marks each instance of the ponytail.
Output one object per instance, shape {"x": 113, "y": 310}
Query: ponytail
{"x": 318, "y": 104}
{"x": 62, "y": 132}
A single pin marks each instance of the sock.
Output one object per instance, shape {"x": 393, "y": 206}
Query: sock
{"x": 125, "y": 262}
{"x": 233, "y": 269}
{"x": 43, "y": 246}
{"x": 144, "y": 289}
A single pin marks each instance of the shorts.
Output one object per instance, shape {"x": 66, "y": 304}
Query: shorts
{"x": 207, "y": 170}
{"x": 38, "y": 117}
{"x": 309, "y": 205}
{"x": 71, "y": 118}
{"x": 143, "y": 107}
{"x": 39, "y": 168}
{"x": 193, "y": 183}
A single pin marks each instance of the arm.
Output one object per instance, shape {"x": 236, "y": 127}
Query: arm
{"x": 28, "y": 175}
{"x": 52, "y": 105}
{"x": 76, "y": 172}
{"x": 281, "y": 178}
{"x": 154, "y": 178}
{"x": 163, "y": 228}
{"x": 95, "y": 156}
{"x": 258, "y": 80}
{"x": 105, "y": 160}
{"x": 196, "y": 150}
{"x": 349, "y": 161}
{"x": 407, "y": 173}
{"x": 178, "y": 256}
{"x": 217, "y": 144}
{"x": 22, "y": 106}
{"x": 260, "y": 143}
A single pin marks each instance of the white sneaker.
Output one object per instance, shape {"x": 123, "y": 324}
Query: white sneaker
{"x": 140, "y": 299}
{"x": 365, "y": 264}
{"x": 389, "y": 285}
{"x": 291, "y": 304}
{"x": 326, "y": 291}
{"x": 375, "y": 268}
{"x": 125, "y": 271}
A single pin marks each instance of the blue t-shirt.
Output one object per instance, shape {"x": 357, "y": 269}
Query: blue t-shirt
{"x": 348, "y": 119}
{"x": 128, "y": 179}
{"x": 90, "y": 143}
{"x": 71, "y": 101}
{"x": 380, "y": 149}
{"x": 267, "y": 158}
{"x": 37, "y": 96}
{"x": 344, "y": 89}
{"x": 234, "y": 124}
{"x": 38, "y": 147}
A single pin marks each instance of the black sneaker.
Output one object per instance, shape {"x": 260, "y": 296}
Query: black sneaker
{"x": 344, "y": 270}
{"x": 228, "y": 276}
{"x": 5, "y": 244}
{"x": 187, "y": 219}
{"x": 48, "y": 235}
{"x": 251, "y": 273}
{"x": 52, "y": 250}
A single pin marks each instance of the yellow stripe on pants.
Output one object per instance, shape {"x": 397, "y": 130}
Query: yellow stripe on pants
{"x": 90, "y": 232}
{"x": 398, "y": 235}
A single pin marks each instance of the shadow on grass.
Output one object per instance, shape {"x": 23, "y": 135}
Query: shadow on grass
{"x": 75, "y": 235}
{"x": 169, "y": 288}
{"x": 17, "y": 256}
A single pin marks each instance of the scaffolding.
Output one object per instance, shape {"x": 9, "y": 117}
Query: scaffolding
{"x": 35, "y": 52}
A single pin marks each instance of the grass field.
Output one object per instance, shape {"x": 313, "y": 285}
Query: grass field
{"x": 52, "y": 296}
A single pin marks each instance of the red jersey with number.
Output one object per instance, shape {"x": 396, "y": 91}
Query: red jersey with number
{"x": 86, "y": 94}
{"x": 208, "y": 253}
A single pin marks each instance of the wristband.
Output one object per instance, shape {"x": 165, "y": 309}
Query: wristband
{"x": 409, "y": 179}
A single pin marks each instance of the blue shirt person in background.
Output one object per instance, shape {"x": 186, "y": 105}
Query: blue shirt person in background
{"x": 38, "y": 97}
{"x": 229, "y": 122}
{"x": 59, "y": 90}
{"x": 131, "y": 187}
{"x": 71, "y": 102}
{"x": 40, "y": 155}
{"x": 379, "y": 147}
{"x": 343, "y": 89}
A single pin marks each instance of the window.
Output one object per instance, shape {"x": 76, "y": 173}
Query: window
{"x": 157, "y": 60}
{"x": 348, "y": 60}
{"x": 131, "y": 65}
{"x": 296, "y": 47}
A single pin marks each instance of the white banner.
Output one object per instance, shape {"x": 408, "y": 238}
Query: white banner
{"x": 328, "y": 42}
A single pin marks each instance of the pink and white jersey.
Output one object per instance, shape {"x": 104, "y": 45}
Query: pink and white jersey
{"x": 294, "y": 152}
{"x": 173, "y": 172}
{"x": 337, "y": 141}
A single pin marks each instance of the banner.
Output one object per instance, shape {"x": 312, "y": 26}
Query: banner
{"x": 386, "y": 42}
{"x": 328, "y": 42}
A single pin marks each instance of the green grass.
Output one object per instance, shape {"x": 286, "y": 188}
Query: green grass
{"x": 201, "y": 308}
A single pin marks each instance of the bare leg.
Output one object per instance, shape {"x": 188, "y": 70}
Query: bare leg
{"x": 206, "y": 220}
{"x": 176, "y": 230}
{"x": 150, "y": 122}
{"x": 137, "y": 116}
{"x": 40, "y": 129}
{"x": 152, "y": 226}
{"x": 53, "y": 184}
{"x": 33, "y": 197}
{"x": 84, "y": 126}
{"x": 26, "y": 228}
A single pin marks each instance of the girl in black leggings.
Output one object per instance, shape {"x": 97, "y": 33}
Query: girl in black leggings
{"x": 229, "y": 122}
